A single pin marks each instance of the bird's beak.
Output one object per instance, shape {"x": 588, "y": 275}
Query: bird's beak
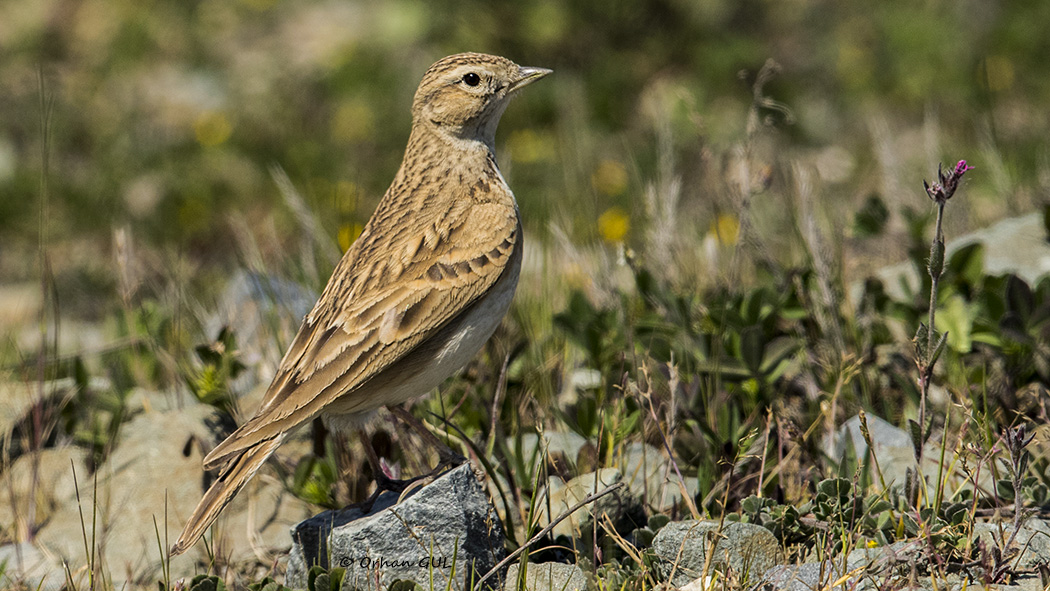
{"x": 527, "y": 76}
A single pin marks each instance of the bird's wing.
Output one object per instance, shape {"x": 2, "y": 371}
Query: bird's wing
{"x": 390, "y": 292}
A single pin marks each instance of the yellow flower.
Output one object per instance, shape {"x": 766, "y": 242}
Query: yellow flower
{"x": 610, "y": 178}
{"x": 528, "y": 146}
{"x": 726, "y": 228}
{"x": 212, "y": 128}
{"x": 614, "y": 224}
{"x": 347, "y": 234}
{"x": 353, "y": 121}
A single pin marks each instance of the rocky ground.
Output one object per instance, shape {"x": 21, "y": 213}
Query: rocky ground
{"x": 69, "y": 519}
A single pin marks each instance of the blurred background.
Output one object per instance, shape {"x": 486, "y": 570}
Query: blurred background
{"x": 162, "y": 120}
{"x": 684, "y": 150}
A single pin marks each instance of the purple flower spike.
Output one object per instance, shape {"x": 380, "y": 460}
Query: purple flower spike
{"x": 943, "y": 190}
{"x": 961, "y": 168}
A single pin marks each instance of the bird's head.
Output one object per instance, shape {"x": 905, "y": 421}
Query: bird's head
{"x": 464, "y": 95}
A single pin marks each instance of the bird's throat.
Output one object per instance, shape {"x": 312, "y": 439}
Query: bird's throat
{"x": 434, "y": 157}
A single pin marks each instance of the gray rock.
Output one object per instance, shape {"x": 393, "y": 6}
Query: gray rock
{"x": 445, "y": 530}
{"x": 27, "y": 567}
{"x": 549, "y": 576}
{"x": 154, "y": 471}
{"x": 1028, "y": 583}
{"x": 1015, "y": 245}
{"x": 883, "y": 557}
{"x": 37, "y": 484}
{"x": 1032, "y": 541}
{"x": 864, "y": 569}
{"x": 707, "y": 583}
{"x": 651, "y": 477}
{"x": 622, "y": 508}
{"x": 800, "y": 577}
{"x": 681, "y": 547}
{"x": 892, "y": 448}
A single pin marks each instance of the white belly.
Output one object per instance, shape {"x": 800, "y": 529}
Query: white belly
{"x": 432, "y": 362}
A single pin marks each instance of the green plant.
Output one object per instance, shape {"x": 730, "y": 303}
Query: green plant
{"x": 320, "y": 579}
{"x": 267, "y": 584}
{"x": 206, "y": 583}
{"x": 220, "y": 365}
{"x": 315, "y": 478}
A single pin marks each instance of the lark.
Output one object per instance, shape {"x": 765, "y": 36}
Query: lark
{"x": 416, "y": 295}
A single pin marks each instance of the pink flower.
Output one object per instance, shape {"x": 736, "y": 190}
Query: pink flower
{"x": 943, "y": 190}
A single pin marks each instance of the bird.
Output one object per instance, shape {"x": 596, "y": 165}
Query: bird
{"x": 417, "y": 294}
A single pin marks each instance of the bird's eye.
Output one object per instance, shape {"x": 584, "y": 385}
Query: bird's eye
{"x": 471, "y": 79}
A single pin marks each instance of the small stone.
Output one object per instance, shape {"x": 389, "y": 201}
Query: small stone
{"x": 749, "y": 550}
{"x": 652, "y": 478}
{"x": 621, "y": 507}
{"x": 800, "y": 577}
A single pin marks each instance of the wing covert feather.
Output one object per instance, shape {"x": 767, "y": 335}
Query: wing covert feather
{"x": 375, "y": 311}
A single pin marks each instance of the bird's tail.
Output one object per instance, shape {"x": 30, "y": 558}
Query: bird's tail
{"x": 233, "y": 477}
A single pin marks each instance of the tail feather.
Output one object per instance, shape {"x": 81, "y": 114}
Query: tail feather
{"x": 233, "y": 477}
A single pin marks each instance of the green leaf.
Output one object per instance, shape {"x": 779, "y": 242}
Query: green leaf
{"x": 884, "y": 520}
{"x": 752, "y": 348}
{"x": 966, "y": 265}
{"x": 207, "y": 583}
{"x": 627, "y": 425}
{"x": 835, "y": 487}
{"x": 1019, "y": 298}
{"x": 871, "y": 219}
{"x": 657, "y": 521}
{"x": 956, "y": 513}
{"x": 267, "y": 584}
{"x": 317, "y": 574}
{"x": 756, "y": 303}
{"x": 778, "y": 351}
{"x": 879, "y": 506}
{"x": 921, "y": 342}
{"x": 643, "y": 537}
{"x": 1005, "y": 489}
{"x": 910, "y": 525}
{"x": 939, "y": 348}
{"x": 752, "y": 505}
{"x": 916, "y": 437}
{"x": 335, "y": 577}
{"x": 956, "y": 317}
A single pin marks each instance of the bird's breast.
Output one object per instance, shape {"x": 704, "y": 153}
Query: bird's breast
{"x": 437, "y": 358}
